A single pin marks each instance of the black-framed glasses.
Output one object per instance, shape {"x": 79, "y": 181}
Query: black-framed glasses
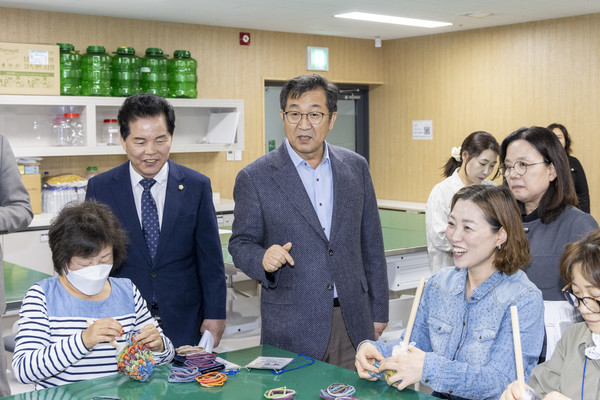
{"x": 520, "y": 167}
{"x": 313, "y": 117}
{"x": 590, "y": 303}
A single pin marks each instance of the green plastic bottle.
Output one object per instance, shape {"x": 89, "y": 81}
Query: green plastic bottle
{"x": 96, "y": 70}
{"x": 155, "y": 79}
{"x": 126, "y": 72}
{"x": 182, "y": 75}
{"x": 70, "y": 70}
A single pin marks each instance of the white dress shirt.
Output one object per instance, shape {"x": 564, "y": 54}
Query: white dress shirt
{"x": 158, "y": 190}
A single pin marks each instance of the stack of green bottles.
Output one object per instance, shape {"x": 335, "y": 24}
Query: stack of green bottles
{"x": 70, "y": 70}
{"x": 96, "y": 70}
{"x": 96, "y": 73}
{"x": 126, "y": 72}
{"x": 182, "y": 75}
{"x": 154, "y": 72}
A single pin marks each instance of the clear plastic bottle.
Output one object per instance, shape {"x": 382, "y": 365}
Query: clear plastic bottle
{"x": 91, "y": 171}
{"x": 75, "y": 130}
{"x": 110, "y": 132}
{"x": 60, "y": 132}
{"x": 182, "y": 75}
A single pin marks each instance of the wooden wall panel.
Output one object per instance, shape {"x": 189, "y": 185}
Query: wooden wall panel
{"x": 495, "y": 79}
{"x": 225, "y": 70}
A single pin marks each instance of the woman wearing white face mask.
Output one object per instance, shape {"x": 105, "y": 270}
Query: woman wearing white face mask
{"x": 56, "y": 344}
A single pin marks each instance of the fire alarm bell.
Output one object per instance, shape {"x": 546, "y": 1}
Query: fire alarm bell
{"x": 244, "y": 39}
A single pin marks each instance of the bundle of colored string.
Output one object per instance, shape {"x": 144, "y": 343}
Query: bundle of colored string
{"x": 135, "y": 360}
{"x": 183, "y": 374}
{"x": 211, "y": 379}
{"x": 339, "y": 391}
{"x": 281, "y": 393}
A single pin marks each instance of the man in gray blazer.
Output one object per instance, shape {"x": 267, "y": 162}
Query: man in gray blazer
{"x": 306, "y": 226}
{"x": 15, "y": 213}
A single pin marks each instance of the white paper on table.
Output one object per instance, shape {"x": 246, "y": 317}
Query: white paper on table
{"x": 263, "y": 362}
{"x": 207, "y": 342}
{"x": 558, "y": 316}
{"x": 229, "y": 366}
{"x": 222, "y": 127}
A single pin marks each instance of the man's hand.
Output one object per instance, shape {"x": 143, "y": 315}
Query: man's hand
{"x": 277, "y": 256}
{"x": 215, "y": 327}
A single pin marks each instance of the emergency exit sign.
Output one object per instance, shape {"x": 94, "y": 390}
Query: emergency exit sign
{"x": 317, "y": 58}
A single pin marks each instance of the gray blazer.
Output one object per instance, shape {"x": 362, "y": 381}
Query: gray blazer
{"x": 15, "y": 209}
{"x": 272, "y": 207}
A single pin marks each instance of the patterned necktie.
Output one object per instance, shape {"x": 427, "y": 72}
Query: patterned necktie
{"x": 149, "y": 217}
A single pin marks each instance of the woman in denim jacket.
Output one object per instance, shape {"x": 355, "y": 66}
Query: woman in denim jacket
{"x": 463, "y": 332}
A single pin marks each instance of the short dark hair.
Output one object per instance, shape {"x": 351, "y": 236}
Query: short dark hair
{"x": 565, "y": 133}
{"x": 296, "y": 87}
{"x": 83, "y": 230}
{"x": 501, "y": 211}
{"x": 585, "y": 252}
{"x": 560, "y": 192}
{"x": 145, "y": 105}
{"x": 474, "y": 144}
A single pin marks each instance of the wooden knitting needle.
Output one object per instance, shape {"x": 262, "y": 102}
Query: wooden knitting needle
{"x": 514, "y": 315}
{"x": 413, "y": 311}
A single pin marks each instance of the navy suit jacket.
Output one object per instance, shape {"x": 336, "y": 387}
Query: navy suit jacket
{"x": 272, "y": 207}
{"x": 187, "y": 274}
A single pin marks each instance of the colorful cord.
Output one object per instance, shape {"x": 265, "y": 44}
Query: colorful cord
{"x": 135, "y": 360}
{"x": 339, "y": 391}
{"x": 183, "y": 374}
{"x": 212, "y": 379}
{"x": 281, "y": 393}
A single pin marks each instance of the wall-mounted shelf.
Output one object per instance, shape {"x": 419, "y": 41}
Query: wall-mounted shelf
{"x": 27, "y": 122}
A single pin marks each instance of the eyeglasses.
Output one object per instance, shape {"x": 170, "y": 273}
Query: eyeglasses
{"x": 314, "y": 117}
{"x": 520, "y": 167}
{"x": 590, "y": 303}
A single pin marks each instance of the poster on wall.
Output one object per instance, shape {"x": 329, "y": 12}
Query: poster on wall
{"x": 422, "y": 130}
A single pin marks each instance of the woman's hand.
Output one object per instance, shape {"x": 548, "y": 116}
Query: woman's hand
{"x": 150, "y": 336}
{"x": 101, "y": 331}
{"x": 408, "y": 367}
{"x": 556, "y": 396}
{"x": 366, "y": 355}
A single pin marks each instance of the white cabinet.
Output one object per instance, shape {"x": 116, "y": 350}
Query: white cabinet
{"x": 27, "y": 122}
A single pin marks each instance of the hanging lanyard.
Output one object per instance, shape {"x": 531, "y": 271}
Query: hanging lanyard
{"x": 583, "y": 378}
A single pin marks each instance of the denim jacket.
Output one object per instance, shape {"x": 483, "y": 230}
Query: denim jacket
{"x": 469, "y": 343}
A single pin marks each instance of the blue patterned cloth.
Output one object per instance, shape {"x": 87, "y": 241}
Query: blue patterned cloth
{"x": 468, "y": 341}
{"x": 150, "y": 217}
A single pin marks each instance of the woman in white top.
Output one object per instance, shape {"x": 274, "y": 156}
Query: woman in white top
{"x": 471, "y": 163}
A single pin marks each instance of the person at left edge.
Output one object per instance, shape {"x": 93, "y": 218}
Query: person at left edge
{"x": 306, "y": 226}
{"x": 184, "y": 283}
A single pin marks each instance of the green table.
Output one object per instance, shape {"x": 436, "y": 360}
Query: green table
{"x": 17, "y": 281}
{"x": 306, "y": 381}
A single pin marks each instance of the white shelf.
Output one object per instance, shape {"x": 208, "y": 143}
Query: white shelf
{"x": 18, "y": 114}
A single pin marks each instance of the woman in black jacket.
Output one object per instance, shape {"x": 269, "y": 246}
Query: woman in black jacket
{"x": 579, "y": 180}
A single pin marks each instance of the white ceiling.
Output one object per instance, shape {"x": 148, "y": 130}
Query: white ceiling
{"x": 316, "y": 16}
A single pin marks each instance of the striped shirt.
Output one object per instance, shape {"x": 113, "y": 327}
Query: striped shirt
{"x": 49, "y": 347}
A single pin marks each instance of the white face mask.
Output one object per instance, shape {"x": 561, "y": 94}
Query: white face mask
{"x": 89, "y": 280}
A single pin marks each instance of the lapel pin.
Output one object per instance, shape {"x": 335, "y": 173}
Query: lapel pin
{"x": 180, "y": 187}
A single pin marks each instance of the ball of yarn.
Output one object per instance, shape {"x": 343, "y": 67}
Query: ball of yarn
{"x": 136, "y": 360}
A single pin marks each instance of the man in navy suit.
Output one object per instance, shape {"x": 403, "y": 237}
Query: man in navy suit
{"x": 174, "y": 255}
{"x": 306, "y": 226}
